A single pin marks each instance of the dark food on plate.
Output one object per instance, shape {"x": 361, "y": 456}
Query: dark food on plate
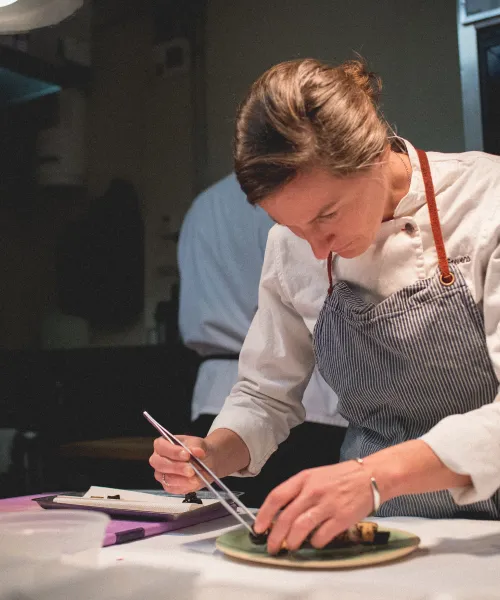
{"x": 259, "y": 539}
{"x": 192, "y": 498}
{"x": 364, "y": 532}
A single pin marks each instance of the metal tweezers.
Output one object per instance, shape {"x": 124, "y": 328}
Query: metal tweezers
{"x": 198, "y": 464}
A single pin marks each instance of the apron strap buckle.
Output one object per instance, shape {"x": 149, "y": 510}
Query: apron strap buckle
{"x": 447, "y": 279}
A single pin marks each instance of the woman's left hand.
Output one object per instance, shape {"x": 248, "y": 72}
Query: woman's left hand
{"x": 326, "y": 499}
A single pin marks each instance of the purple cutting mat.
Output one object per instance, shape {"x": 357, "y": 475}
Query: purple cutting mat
{"x": 118, "y": 531}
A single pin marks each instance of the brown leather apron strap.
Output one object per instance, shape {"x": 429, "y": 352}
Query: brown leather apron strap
{"x": 330, "y": 276}
{"x": 447, "y": 278}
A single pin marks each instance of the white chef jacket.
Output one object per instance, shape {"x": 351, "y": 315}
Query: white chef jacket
{"x": 220, "y": 255}
{"x": 277, "y": 356}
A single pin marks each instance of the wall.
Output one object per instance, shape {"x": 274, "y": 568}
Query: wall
{"x": 30, "y": 218}
{"x": 412, "y": 44}
{"x": 43, "y": 42}
{"x": 139, "y": 128}
{"x": 28, "y": 232}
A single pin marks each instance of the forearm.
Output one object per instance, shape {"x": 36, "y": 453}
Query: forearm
{"x": 411, "y": 468}
{"x": 229, "y": 451}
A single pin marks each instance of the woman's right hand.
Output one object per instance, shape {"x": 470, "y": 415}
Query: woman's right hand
{"x": 171, "y": 464}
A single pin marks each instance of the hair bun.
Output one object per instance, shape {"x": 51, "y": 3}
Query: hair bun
{"x": 368, "y": 81}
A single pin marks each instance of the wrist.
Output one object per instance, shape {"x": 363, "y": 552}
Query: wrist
{"x": 411, "y": 468}
{"x": 390, "y": 471}
{"x": 228, "y": 452}
{"x": 376, "y": 497}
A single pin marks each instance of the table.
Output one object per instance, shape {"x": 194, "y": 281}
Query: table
{"x": 457, "y": 560}
{"x": 456, "y": 557}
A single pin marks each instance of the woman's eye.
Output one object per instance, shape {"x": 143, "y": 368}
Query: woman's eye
{"x": 328, "y": 216}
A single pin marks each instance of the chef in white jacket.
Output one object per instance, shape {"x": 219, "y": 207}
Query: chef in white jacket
{"x": 220, "y": 254}
{"x": 408, "y": 335}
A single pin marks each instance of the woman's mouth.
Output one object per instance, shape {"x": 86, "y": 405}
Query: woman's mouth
{"x": 341, "y": 249}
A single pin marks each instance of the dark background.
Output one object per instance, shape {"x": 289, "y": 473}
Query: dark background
{"x": 88, "y": 297}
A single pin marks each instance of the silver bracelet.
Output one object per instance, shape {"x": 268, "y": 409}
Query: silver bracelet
{"x": 375, "y": 490}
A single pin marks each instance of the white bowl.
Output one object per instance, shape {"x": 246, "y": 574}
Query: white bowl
{"x": 63, "y": 535}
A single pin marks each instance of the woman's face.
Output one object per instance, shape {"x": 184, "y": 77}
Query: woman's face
{"x": 334, "y": 214}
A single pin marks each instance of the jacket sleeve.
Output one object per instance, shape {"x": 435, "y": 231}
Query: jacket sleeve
{"x": 469, "y": 444}
{"x": 275, "y": 365}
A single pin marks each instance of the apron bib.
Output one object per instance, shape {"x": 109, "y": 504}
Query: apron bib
{"x": 401, "y": 366}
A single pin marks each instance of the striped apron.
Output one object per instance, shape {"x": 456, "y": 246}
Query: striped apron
{"x": 401, "y": 366}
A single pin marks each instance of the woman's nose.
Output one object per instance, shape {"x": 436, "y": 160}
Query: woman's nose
{"x": 320, "y": 246}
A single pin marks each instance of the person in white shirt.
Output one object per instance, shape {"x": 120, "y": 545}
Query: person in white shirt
{"x": 220, "y": 255}
{"x": 409, "y": 331}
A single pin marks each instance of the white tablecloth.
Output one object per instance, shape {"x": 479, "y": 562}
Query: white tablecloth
{"x": 457, "y": 560}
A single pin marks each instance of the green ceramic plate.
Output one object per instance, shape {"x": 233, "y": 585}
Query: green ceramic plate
{"x": 237, "y": 544}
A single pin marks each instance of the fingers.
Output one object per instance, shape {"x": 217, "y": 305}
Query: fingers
{"x": 303, "y": 518}
{"x": 178, "y": 485}
{"x": 171, "y": 464}
{"x": 165, "y": 465}
{"x": 303, "y": 525}
{"x": 321, "y": 503}
{"x": 173, "y": 460}
{"x": 168, "y": 450}
{"x": 165, "y": 448}
{"x": 276, "y": 500}
{"x": 327, "y": 531}
{"x": 294, "y": 524}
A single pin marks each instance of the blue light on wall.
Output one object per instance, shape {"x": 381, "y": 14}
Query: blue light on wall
{"x": 15, "y": 88}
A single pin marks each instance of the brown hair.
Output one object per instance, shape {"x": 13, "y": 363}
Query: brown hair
{"x": 305, "y": 113}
